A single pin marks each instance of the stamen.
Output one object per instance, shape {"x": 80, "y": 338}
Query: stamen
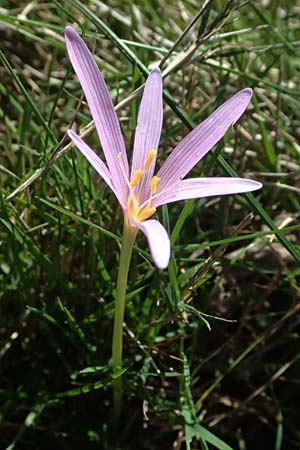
{"x": 153, "y": 197}
{"x": 145, "y": 214}
{"x": 149, "y": 159}
{"x": 136, "y": 177}
{"x": 153, "y": 185}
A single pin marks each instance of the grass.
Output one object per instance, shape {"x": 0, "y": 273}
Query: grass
{"x": 211, "y": 344}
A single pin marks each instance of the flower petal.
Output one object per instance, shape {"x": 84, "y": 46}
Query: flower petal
{"x": 95, "y": 161}
{"x": 148, "y": 130}
{"x": 101, "y": 107}
{"x": 158, "y": 241}
{"x": 205, "y": 187}
{"x": 199, "y": 141}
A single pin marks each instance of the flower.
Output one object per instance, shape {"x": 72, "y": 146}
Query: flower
{"x": 138, "y": 190}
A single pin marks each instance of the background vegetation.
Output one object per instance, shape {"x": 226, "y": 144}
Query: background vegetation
{"x": 212, "y": 343}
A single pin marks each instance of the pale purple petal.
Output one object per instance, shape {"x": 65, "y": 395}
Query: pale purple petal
{"x": 158, "y": 241}
{"x": 199, "y": 141}
{"x": 148, "y": 130}
{"x": 101, "y": 107}
{"x": 205, "y": 187}
{"x": 95, "y": 161}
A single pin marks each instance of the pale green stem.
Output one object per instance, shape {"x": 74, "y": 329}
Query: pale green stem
{"x": 129, "y": 235}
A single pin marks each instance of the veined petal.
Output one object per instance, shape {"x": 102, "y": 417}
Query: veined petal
{"x": 148, "y": 130}
{"x": 158, "y": 241}
{"x": 95, "y": 161}
{"x": 205, "y": 187}
{"x": 101, "y": 107}
{"x": 199, "y": 141}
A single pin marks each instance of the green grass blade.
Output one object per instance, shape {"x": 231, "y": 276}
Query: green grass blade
{"x": 209, "y": 437}
{"x": 80, "y": 219}
{"x": 29, "y": 100}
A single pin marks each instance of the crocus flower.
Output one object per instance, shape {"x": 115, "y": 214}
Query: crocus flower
{"x": 138, "y": 190}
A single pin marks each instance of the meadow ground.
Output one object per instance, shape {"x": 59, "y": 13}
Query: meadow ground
{"x": 211, "y": 345}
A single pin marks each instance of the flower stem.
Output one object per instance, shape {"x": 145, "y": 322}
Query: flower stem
{"x": 129, "y": 235}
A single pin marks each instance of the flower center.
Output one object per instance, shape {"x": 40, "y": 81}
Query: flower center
{"x": 139, "y": 181}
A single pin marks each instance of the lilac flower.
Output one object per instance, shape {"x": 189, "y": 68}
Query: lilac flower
{"x": 138, "y": 190}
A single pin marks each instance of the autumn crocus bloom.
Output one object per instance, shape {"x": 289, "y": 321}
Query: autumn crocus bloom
{"x": 138, "y": 190}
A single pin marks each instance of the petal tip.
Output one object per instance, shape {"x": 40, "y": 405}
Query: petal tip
{"x": 256, "y": 185}
{"x": 161, "y": 263}
{"x": 70, "y": 133}
{"x": 158, "y": 240}
{"x": 248, "y": 91}
{"x": 247, "y": 185}
{"x": 161, "y": 259}
{"x": 155, "y": 75}
{"x": 241, "y": 100}
{"x": 244, "y": 96}
{"x": 156, "y": 70}
{"x": 70, "y": 32}
{"x": 162, "y": 266}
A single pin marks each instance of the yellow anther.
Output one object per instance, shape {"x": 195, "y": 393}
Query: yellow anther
{"x": 145, "y": 214}
{"x": 153, "y": 186}
{"x": 149, "y": 159}
{"x": 136, "y": 177}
